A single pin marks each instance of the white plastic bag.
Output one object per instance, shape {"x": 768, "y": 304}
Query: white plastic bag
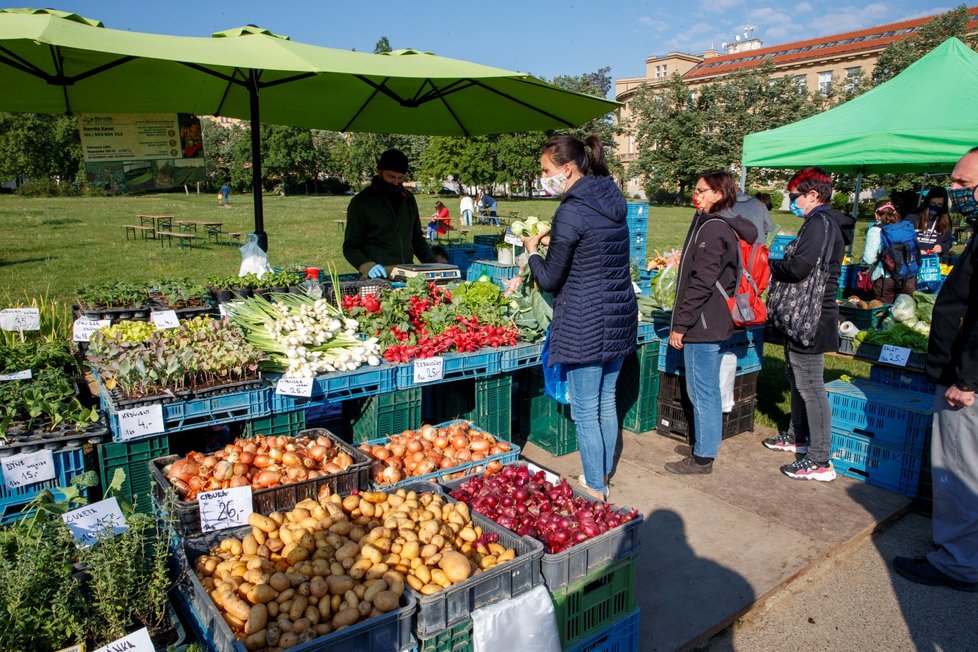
{"x": 728, "y": 375}
{"x": 526, "y": 622}
{"x": 254, "y": 260}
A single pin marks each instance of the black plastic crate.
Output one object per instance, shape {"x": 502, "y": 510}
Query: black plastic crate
{"x": 672, "y": 388}
{"x": 353, "y": 288}
{"x": 65, "y": 435}
{"x": 187, "y": 513}
{"x": 675, "y": 419}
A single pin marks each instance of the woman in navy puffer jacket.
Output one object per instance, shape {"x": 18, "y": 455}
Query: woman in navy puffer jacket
{"x": 595, "y": 313}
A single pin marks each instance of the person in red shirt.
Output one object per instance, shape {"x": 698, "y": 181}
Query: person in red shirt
{"x": 440, "y": 222}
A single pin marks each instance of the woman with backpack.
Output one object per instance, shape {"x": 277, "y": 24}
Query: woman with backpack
{"x": 892, "y": 254}
{"x": 701, "y": 318}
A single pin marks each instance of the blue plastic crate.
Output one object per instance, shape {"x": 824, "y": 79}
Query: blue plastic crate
{"x": 930, "y": 269}
{"x": 496, "y": 271}
{"x": 68, "y": 463}
{"x": 778, "y": 246}
{"x": 198, "y": 412}
{"x": 486, "y": 239}
{"x": 455, "y": 366}
{"x": 521, "y": 356}
{"x": 747, "y": 345}
{"x": 484, "y": 251}
{"x": 637, "y": 211}
{"x": 844, "y": 273}
{"x": 646, "y": 332}
{"x": 912, "y": 380}
{"x": 336, "y": 386}
{"x": 892, "y": 417}
{"x": 862, "y": 459}
{"x": 621, "y": 636}
{"x": 461, "y": 256}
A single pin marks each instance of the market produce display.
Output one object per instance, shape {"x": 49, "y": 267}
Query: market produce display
{"x": 259, "y": 462}
{"x": 415, "y": 453}
{"x": 202, "y": 353}
{"x": 303, "y": 336}
{"x": 908, "y": 324}
{"x": 530, "y": 505}
{"x": 532, "y": 226}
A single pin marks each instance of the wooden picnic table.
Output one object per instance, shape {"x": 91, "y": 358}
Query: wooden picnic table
{"x": 157, "y": 222}
{"x": 213, "y": 228}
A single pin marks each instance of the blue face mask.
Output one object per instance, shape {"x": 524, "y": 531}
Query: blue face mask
{"x": 963, "y": 201}
{"x": 933, "y": 210}
{"x": 796, "y": 210}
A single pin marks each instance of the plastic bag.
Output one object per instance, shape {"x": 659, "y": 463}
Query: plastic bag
{"x": 554, "y": 376}
{"x": 254, "y": 260}
{"x": 728, "y": 376}
{"x": 525, "y": 622}
{"x": 904, "y": 308}
{"x": 664, "y": 291}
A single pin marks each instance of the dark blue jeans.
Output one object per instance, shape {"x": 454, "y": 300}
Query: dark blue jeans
{"x": 702, "y": 361}
{"x": 595, "y": 412}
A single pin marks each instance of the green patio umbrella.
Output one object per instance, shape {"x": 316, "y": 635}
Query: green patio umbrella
{"x": 57, "y": 62}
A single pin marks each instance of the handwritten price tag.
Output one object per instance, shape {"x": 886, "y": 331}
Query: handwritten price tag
{"x": 224, "y": 508}
{"x": 138, "y": 641}
{"x": 28, "y": 468}
{"x": 138, "y": 422}
{"x": 17, "y": 375}
{"x": 85, "y": 328}
{"x": 894, "y": 355}
{"x": 294, "y": 386}
{"x": 90, "y": 523}
{"x": 20, "y": 319}
{"x": 164, "y": 319}
{"x": 428, "y": 370}
{"x": 511, "y": 239}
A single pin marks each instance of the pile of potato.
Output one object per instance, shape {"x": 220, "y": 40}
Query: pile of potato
{"x": 327, "y": 565}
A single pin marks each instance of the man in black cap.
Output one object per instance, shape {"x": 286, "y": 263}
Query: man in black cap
{"x": 383, "y": 228}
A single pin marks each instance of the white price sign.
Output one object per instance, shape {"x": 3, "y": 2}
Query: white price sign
{"x": 20, "y": 319}
{"x": 28, "y": 468}
{"x": 164, "y": 319}
{"x": 90, "y": 523}
{"x": 224, "y": 508}
{"x": 294, "y": 386}
{"x": 17, "y": 375}
{"x": 138, "y": 422}
{"x": 138, "y": 641}
{"x": 894, "y": 355}
{"x": 511, "y": 239}
{"x": 84, "y": 328}
{"x": 428, "y": 370}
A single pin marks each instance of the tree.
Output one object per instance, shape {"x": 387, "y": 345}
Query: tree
{"x": 39, "y": 146}
{"x": 383, "y": 45}
{"x": 899, "y": 55}
{"x": 599, "y": 84}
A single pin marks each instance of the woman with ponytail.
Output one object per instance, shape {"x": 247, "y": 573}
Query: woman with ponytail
{"x": 595, "y": 314}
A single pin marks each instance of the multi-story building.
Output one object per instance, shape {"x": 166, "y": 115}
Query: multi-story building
{"x": 816, "y": 65}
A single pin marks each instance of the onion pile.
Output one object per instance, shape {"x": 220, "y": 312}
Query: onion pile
{"x": 530, "y": 505}
{"x": 419, "y": 452}
{"x": 260, "y": 462}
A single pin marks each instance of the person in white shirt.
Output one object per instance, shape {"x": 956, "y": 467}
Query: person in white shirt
{"x": 466, "y": 208}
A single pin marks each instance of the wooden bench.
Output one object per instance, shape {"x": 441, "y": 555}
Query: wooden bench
{"x": 148, "y": 232}
{"x": 233, "y": 235}
{"x": 183, "y": 239}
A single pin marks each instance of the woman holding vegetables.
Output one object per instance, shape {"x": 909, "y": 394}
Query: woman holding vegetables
{"x": 595, "y": 314}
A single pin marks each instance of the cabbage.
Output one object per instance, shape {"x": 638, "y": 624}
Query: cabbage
{"x": 887, "y": 323}
{"x": 922, "y": 327}
{"x": 904, "y": 308}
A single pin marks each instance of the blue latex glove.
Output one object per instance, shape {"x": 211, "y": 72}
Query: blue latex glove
{"x": 377, "y": 271}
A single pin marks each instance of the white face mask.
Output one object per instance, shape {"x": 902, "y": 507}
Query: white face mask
{"x": 555, "y": 185}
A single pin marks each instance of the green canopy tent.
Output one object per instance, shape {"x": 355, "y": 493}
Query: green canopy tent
{"x": 922, "y": 120}
{"x": 56, "y": 62}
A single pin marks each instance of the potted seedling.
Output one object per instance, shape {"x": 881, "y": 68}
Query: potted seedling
{"x": 220, "y": 287}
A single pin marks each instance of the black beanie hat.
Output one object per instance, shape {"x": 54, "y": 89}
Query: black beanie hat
{"x": 393, "y": 160}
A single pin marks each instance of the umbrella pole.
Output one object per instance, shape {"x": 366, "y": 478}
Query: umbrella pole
{"x": 256, "y": 161}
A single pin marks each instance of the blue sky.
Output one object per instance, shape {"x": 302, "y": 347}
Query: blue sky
{"x": 542, "y": 37}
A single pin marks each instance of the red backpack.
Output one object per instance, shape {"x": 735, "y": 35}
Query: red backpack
{"x": 746, "y": 305}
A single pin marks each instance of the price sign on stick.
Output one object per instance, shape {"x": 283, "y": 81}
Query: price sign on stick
{"x": 84, "y": 328}
{"x": 138, "y": 641}
{"x": 20, "y": 319}
{"x": 17, "y": 375}
{"x": 428, "y": 370}
{"x": 294, "y": 386}
{"x": 224, "y": 508}
{"x": 164, "y": 319}
{"x": 894, "y": 355}
{"x": 138, "y": 422}
{"x": 28, "y": 468}
{"x": 91, "y": 522}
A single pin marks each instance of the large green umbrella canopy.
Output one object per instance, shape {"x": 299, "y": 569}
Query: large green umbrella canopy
{"x": 56, "y": 62}
{"x": 922, "y": 120}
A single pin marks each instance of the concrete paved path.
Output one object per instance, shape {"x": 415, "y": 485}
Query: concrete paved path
{"x": 716, "y": 546}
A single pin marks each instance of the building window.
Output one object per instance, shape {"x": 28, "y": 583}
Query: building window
{"x": 825, "y": 82}
{"x": 853, "y": 77}
{"x": 660, "y": 71}
{"x": 802, "y": 82}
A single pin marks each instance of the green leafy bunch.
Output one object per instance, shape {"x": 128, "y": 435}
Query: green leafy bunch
{"x": 103, "y": 296}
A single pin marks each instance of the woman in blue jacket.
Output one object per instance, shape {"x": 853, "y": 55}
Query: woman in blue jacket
{"x": 595, "y": 313}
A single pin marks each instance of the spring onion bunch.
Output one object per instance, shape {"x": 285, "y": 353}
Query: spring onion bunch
{"x": 304, "y": 336}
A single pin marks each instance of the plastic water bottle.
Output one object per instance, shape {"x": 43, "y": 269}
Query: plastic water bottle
{"x": 311, "y": 284}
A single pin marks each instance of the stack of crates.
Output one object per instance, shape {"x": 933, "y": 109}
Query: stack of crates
{"x": 544, "y": 421}
{"x": 638, "y": 389}
{"x": 637, "y": 219}
{"x": 133, "y": 457}
{"x": 461, "y": 255}
{"x": 382, "y": 415}
{"x": 676, "y": 411}
{"x": 879, "y": 431}
{"x": 486, "y": 402}
{"x": 496, "y": 271}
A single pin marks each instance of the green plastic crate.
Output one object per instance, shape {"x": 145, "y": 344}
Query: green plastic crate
{"x": 594, "y": 603}
{"x": 287, "y": 423}
{"x": 544, "y": 421}
{"x": 453, "y": 639}
{"x": 486, "y": 402}
{"x": 638, "y": 389}
{"x": 133, "y": 458}
{"x": 383, "y": 414}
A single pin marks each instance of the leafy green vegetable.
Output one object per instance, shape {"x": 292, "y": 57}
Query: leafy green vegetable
{"x": 899, "y": 335}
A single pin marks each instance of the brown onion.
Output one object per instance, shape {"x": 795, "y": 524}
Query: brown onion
{"x": 459, "y": 441}
{"x": 480, "y": 445}
{"x": 463, "y": 455}
{"x": 262, "y": 460}
{"x": 275, "y": 454}
{"x": 246, "y": 457}
{"x": 397, "y": 450}
{"x": 290, "y": 459}
{"x": 504, "y": 446}
{"x": 239, "y": 481}
{"x": 441, "y": 441}
{"x": 317, "y": 452}
{"x": 428, "y": 432}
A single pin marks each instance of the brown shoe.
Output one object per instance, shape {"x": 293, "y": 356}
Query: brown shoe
{"x": 689, "y": 466}
{"x": 683, "y": 449}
